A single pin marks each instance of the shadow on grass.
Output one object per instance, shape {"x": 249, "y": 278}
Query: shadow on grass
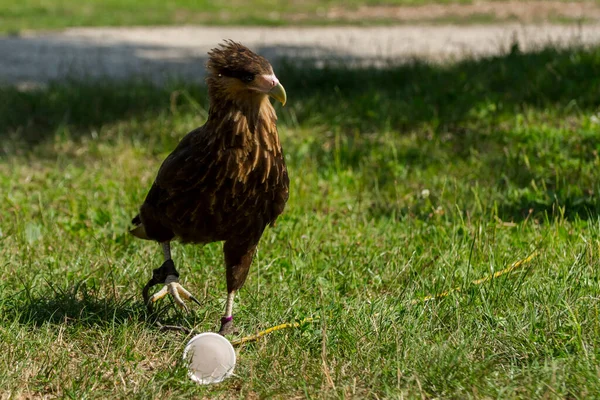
{"x": 446, "y": 97}
{"x": 79, "y": 305}
{"x": 76, "y": 305}
{"x": 454, "y": 110}
{"x": 367, "y": 99}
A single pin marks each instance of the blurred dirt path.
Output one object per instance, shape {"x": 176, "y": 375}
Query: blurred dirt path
{"x": 160, "y": 53}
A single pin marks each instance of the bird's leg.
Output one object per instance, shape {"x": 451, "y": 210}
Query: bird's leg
{"x": 237, "y": 262}
{"x": 168, "y": 275}
{"x": 227, "y": 320}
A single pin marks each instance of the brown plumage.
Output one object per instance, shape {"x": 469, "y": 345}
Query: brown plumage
{"x": 225, "y": 181}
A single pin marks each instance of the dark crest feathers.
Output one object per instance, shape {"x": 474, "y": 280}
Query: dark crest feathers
{"x": 236, "y": 60}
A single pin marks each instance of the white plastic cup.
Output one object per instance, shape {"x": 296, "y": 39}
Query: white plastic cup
{"x": 211, "y": 358}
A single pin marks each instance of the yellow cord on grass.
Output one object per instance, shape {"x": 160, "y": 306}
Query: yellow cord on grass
{"x": 252, "y": 338}
{"x": 509, "y": 269}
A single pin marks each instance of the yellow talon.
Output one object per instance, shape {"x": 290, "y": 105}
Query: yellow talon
{"x": 177, "y": 292}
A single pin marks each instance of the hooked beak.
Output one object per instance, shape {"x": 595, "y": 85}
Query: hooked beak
{"x": 278, "y": 93}
{"x": 270, "y": 85}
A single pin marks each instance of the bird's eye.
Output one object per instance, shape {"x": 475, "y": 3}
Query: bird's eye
{"x": 247, "y": 78}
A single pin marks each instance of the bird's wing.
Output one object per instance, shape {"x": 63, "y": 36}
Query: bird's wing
{"x": 187, "y": 182}
{"x": 185, "y": 171}
{"x": 188, "y": 165}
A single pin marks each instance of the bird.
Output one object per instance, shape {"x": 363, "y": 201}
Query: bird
{"x": 225, "y": 181}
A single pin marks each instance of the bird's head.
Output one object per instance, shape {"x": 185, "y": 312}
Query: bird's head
{"x": 237, "y": 73}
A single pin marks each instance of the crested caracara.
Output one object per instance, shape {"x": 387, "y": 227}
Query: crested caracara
{"x": 225, "y": 181}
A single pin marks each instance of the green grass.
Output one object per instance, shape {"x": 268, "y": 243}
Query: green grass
{"x": 405, "y": 181}
{"x": 16, "y": 16}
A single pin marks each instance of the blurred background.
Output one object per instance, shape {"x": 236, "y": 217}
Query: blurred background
{"x": 160, "y": 39}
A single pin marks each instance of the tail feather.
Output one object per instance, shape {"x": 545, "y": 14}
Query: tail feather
{"x": 138, "y": 230}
